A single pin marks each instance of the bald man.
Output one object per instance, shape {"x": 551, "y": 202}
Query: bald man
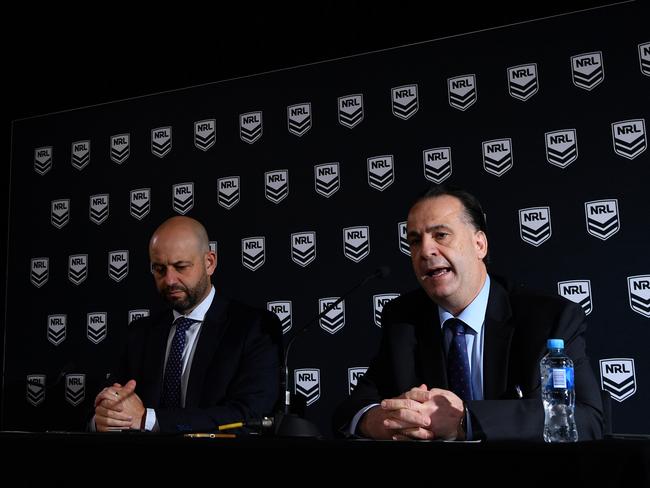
{"x": 205, "y": 362}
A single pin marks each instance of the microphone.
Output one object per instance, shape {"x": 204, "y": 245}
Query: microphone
{"x": 285, "y": 423}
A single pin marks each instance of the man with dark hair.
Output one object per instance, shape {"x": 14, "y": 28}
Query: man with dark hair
{"x": 459, "y": 358}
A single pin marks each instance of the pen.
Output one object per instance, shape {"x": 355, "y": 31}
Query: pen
{"x": 210, "y": 435}
{"x": 520, "y": 395}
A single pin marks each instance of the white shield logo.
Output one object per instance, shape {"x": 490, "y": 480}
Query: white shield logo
{"x": 578, "y": 291}
{"x": 276, "y": 185}
{"x": 43, "y": 159}
{"x": 356, "y": 242}
{"x": 378, "y": 302}
{"x": 638, "y": 288}
{"x": 522, "y": 81}
{"x": 77, "y": 268}
{"x": 334, "y": 319}
{"x": 535, "y": 225}
{"x": 80, "y": 154}
{"x": 644, "y": 58}
{"x": 497, "y": 156}
{"x": 587, "y": 70}
{"x": 96, "y": 327}
{"x": 183, "y": 197}
{"x": 307, "y": 381}
{"x": 252, "y": 252}
{"x": 404, "y": 101}
{"x": 326, "y": 179}
{"x": 120, "y": 148}
{"x": 60, "y": 213}
{"x": 137, "y": 314}
{"x": 402, "y": 241}
{"x": 437, "y": 164}
{"x": 39, "y": 271}
{"x": 303, "y": 248}
{"x": 629, "y": 138}
{"x": 602, "y": 218}
{"x": 617, "y": 376}
{"x": 350, "y": 110}
{"x": 161, "y": 141}
{"x": 56, "y": 327}
{"x": 35, "y": 389}
{"x": 353, "y": 377}
{"x": 462, "y": 91}
{"x": 75, "y": 388}
{"x": 561, "y": 147}
{"x": 299, "y": 118}
{"x": 250, "y": 126}
{"x": 205, "y": 134}
{"x": 381, "y": 172}
{"x": 282, "y": 309}
{"x": 140, "y": 203}
{"x": 98, "y": 208}
{"x": 228, "y": 192}
{"x": 213, "y": 246}
{"x": 118, "y": 265}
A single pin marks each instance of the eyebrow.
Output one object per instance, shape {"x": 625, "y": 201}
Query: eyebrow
{"x": 429, "y": 229}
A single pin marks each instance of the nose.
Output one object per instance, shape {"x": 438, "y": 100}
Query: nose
{"x": 429, "y": 247}
{"x": 170, "y": 277}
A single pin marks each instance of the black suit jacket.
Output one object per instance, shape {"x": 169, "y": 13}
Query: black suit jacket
{"x": 234, "y": 374}
{"x": 517, "y": 325}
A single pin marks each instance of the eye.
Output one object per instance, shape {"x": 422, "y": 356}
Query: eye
{"x": 412, "y": 241}
{"x": 441, "y": 235}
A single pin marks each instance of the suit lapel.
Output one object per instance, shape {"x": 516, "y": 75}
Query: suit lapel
{"x": 431, "y": 352}
{"x": 155, "y": 353}
{"x": 498, "y": 337}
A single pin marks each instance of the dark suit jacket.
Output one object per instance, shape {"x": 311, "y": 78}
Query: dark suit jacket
{"x": 517, "y": 325}
{"x": 234, "y": 373}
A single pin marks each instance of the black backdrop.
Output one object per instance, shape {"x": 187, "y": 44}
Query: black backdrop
{"x": 618, "y": 333}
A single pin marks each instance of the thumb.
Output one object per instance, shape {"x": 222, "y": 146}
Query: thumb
{"x": 130, "y": 386}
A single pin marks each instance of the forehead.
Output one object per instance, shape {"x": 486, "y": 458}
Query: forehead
{"x": 441, "y": 210}
{"x": 173, "y": 250}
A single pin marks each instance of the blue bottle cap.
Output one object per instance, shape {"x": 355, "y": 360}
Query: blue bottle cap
{"x": 555, "y": 343}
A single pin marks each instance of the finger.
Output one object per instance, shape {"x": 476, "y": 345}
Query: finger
{"x": 417, "y": 433}
{"x": 407, "y": 420}
{"x": 111, "y": 405}
{"x": 399, "y": 403}
{"x": 419, "y": 395}
{"x": 104, "y": 412}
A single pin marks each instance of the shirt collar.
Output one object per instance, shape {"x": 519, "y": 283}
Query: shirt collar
{"x": 200, "y": 310}
{"x": 474, "y": 313}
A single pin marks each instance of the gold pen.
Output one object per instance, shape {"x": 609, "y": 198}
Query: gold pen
{"x": 209, "y": 435}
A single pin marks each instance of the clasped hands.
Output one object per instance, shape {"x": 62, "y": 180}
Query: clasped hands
{"x": 118, "y": 407}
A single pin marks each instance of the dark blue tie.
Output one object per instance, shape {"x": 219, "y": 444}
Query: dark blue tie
{"x": 171, "y": 394}
{"x": 458, "y": 372}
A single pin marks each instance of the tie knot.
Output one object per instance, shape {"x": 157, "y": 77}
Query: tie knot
{"x": 456, "y": 326}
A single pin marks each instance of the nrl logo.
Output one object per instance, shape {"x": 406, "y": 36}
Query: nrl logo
{"x": 350, "y": 110}
{"x": 80, "y": 154}
{"x": 578, "y": 291}
{"x": 75, "y": 388}
{"x": 561, "y": 147}
{"x": 497, "y": 156}
{"x": 522, "y": 81}
{"x": 56, "y": 327}
{"x": 307, "y": 384}
{"x": 250, "y": 127}
{"x": 326, "y": 179}
{"x": 140, "y": 203}
{"x": 77, "y": 268}
{"x": 161, "y": 141}
{"x": 303, "y": 248}
{"x": 299, "y": 118}
{"x": 283, "y": 310}
{"x": 205, "y": 134}
{"x": 353, "y": 377}
{"x": 381, "y": 172}
{"x": 356, "y": 242}
{"x": 60, "y": 213}
{"x": 602, "y": 218}
{"x": 120, "y": 148}
{"x": 644, "y": 58}
{"x": 638, "y": 288}
{"x": 462, "y": 91}
{"x": 535, "y": 225}
{"x": 276, "y": 185}
{"x": 378, "y": 302}
{"x": 35, "y": 389}
{"x": 404, "y": 101}
{"x": 118, "y": 265}
{"x": 437, "y": 164}
{"x": 228, "y": 192}
{"x": 334, "y": 319}
{"x": 402, "y": 241}
{"x": 587, "y": 70}
{"x": 137, "y": 314}
{"x": 617, "y": 376}
{"x": 183, "y": 197}
{"x": 39, "y": 271}
{"x": 213, "y": 246}
{"x": 98, "y": 208}
{"x": 252, "y": 252}
{"x": 96, "y": 327}
{"x": 629, "y": 138}
{"x": 43, "y": 159}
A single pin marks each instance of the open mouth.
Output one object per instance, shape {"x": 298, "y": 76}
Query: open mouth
{"x": 435, "y": 273}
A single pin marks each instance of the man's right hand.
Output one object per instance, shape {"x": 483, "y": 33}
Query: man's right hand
{"x": 109, "y": 407}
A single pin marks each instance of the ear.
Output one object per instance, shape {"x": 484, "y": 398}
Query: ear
{"x": 210, "y": 262}
{"x": 481, "y": 244}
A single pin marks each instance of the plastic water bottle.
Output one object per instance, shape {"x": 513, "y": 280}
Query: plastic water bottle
{"x": 558, "y": 394}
